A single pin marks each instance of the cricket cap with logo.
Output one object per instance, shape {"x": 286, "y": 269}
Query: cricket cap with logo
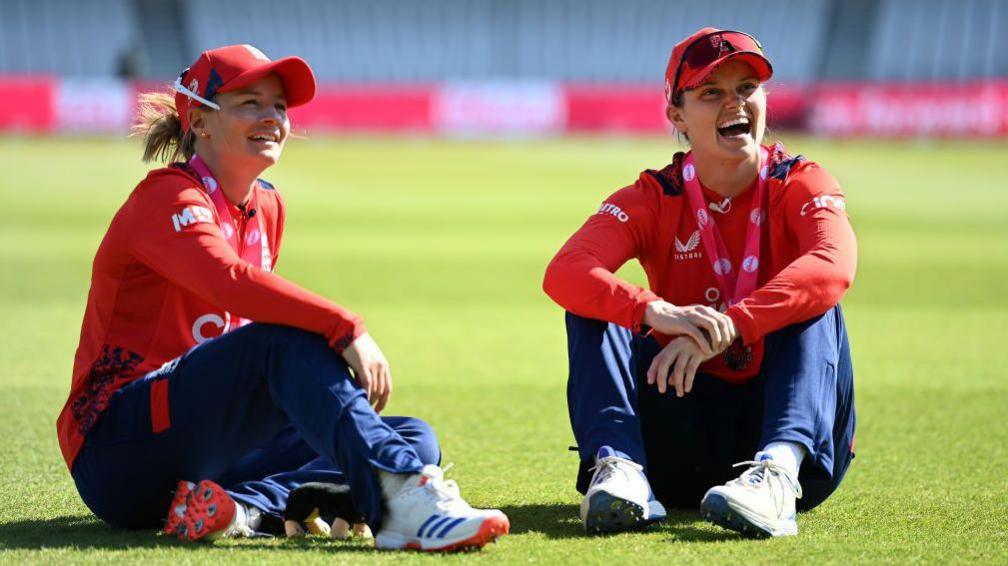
{"x": 236, "y": 66}
{"x": 695, "y": 58}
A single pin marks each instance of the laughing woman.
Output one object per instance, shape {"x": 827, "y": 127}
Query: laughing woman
{"x": 173, "y": 386}
{"x": 737, "y": 353}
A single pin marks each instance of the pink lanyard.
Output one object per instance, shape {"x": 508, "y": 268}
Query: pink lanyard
{"x": 256, "y": 251}
{"x": 734, "y": 289}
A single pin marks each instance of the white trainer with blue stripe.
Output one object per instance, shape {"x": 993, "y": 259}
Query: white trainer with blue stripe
{"x": 619, "y": 497}
{"x": 428, "y": 513}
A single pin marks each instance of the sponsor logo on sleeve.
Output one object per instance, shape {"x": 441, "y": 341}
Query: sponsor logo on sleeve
{"x": 824, "y": 201}
{"x": 613, "y": 210}
{"x": 191, "y": 215}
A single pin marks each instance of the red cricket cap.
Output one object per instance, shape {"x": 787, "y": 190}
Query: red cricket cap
{"x": 696, "y": 57}
{"x": 236, "y": 66}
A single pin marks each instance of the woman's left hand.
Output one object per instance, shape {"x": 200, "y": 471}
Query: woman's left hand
{"x": 683, "y": 356}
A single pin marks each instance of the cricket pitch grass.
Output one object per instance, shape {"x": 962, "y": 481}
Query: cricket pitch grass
{"x": 441, "y": 246}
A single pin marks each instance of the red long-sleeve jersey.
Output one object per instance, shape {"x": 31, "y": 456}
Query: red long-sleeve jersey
{"x": 808, "y": 254}
{"x": 165, "y": 279}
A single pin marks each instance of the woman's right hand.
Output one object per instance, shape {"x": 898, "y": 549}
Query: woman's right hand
{"x": 371, "y": 370}
{"x": 712, "y": 330}
{"x": 681, "y": 357}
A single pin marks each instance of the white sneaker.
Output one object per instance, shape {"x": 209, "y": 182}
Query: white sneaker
{"x": 619, "y": 497}
{"x": 428, "y": 513}
{"x": 760, "y": 502}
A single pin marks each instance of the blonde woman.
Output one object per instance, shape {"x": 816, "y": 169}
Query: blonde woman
{"x": 174, "y": 388}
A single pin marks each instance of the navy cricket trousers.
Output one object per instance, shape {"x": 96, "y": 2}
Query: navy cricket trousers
{"x": 260, "y": 410}
{"x": 804, "y": 394}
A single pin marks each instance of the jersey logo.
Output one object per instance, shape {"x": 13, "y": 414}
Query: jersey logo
{"x": 825, "y": 201}
{"x": 613, "y": 210}
{"x": 217, "y": 326}
{"x": 713, "y": 297}
{"x": 688, "y": 249}
{"x": 690, "y": 245}
{"x": 191, "y": 215}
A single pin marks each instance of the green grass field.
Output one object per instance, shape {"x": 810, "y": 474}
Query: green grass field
{"x": 441, "y": 245}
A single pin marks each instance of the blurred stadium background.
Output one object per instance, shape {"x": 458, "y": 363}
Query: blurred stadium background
{"x": 843, "y": 67}
{"x": 453, "y": 147}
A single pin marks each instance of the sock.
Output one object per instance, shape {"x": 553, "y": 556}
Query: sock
{"x": 605, "y": 451}
{"x": 259, "y": 521}
{"x": 391, "y": 483}
{"x": 239, "y": 525}
{"x": 787, "y": 454}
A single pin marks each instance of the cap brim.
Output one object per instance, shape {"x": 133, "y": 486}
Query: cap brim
{"x": 295, "y": 74}
{"x": 759, "y": 63}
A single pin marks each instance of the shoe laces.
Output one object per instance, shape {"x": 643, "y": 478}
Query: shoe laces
{"x": 608, "y": 466}
{"x": 445, "y": 493}
{"x": 759, "y": 472}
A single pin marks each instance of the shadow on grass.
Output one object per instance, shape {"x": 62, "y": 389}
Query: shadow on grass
{"x": 554, "y": 521}
{"x": 686, "y": 526}
{"x": 558, "y": 521}
{"x": 87, "y": 532}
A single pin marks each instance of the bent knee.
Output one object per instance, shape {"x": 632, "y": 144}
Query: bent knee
{"x": 286, "y": 335}
{"x": 419, "y": 435}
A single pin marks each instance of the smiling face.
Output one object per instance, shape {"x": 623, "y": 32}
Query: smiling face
{"x": 251, "y": 127}
{"x": 724, "y": 117}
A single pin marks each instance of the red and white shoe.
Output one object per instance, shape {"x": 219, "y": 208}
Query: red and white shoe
{"x": 204, "y": 511}
{"x": 428, "y": 513}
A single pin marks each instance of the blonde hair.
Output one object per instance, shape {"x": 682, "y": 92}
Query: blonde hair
{"x": 159, "y": 125}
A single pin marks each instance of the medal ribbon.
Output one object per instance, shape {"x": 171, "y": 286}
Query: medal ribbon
{"x": 256, "y": 250}
{"x": 733, "y": 288}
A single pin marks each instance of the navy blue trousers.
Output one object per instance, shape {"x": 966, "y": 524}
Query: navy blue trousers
{"x": 260, "y": 410}
{"x": 804, "y": 394}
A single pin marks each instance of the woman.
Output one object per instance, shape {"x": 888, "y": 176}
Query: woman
{"x": 738, "y": 347}
{"x": 252, "y": 410}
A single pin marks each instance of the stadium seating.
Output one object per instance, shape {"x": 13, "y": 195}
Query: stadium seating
{"x": 65, "y": 37}
{"x": 574, "y": 40}
{"x": 591, "y": 41}
{"x": 928, "y": 40}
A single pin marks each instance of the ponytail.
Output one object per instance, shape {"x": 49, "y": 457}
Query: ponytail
{"x": 159, "y": 125}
